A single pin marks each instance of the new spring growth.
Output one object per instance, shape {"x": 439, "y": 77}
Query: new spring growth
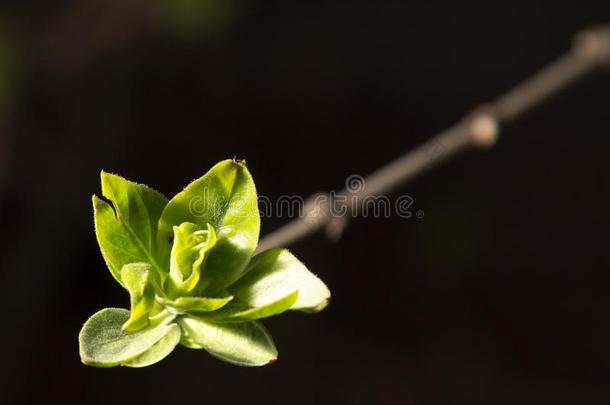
{"x": 191, "y": 274}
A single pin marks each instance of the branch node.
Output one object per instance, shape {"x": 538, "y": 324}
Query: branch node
{"x": 316, "y": 209}
{"x": 594, "y": 43}
{"x": 483, "y": 127}
{"x": 480, "y": 129}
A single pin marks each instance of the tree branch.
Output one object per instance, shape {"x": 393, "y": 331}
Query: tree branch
{"x": 478, "y": 129}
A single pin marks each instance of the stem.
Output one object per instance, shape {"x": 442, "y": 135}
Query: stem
{"x": 479, "y": 129}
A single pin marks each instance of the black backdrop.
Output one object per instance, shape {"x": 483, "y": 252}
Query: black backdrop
{"x": 497, "y": 296}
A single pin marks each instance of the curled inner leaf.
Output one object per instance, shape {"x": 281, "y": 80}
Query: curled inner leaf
{"x": 136, "y": 278}
{"x": 191, "y": 245}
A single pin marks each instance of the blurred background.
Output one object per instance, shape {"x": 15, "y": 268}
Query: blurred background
{"x": 498, "y": 295}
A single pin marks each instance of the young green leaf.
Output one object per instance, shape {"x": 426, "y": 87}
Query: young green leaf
{"x": 237, "y": 311}
{"x": 225, "y": 197}
{"x": 136, "y": 278}
{"x": 127, "y": 230}
{"x": 159, "y": 350}
{"x": 191, "y": 245}
{"x": 103, "y": 343}
{"x": 194, "y": 304}
{"x": 243, "y": 344}
{"x": 274, "y": 274}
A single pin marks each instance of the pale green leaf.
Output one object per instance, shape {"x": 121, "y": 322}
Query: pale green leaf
{"x": 276, "y": 273}
{"x": 237, "y": 311}
{"x": 225, "y": 197}
{"x": 243, "y": 344}
{"x": 103, "y": 343}
{"x": 127, "y": 230}
{"x": 191, "y": 245}
{"x": 136, "y": 278}
{"x": 194, "y": 304}
{"x": 159, "y": 350}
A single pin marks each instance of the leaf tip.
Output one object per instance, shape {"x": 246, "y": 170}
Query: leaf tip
{"x": 97, "y": 202}
{"x": 238, "y": 161}
{"x": 100, "y": 204}
{"x": 322, "y": 305}
{"x": 105, "y": 177}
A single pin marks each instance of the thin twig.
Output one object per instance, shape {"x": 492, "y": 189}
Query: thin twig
{"x": 479, "y": 129}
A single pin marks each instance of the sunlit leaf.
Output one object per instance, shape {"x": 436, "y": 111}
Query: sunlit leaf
{"x": 225, "y": 197}
{"x": 127, "y": 230}
{"x": 276, "y": 273}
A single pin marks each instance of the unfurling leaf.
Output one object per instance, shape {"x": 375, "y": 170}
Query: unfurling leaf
{"x": 191, "y": 245}
{"x": 136, "y": 278}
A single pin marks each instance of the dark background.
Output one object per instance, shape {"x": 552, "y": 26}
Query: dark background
{"x": 499, "y": 295}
